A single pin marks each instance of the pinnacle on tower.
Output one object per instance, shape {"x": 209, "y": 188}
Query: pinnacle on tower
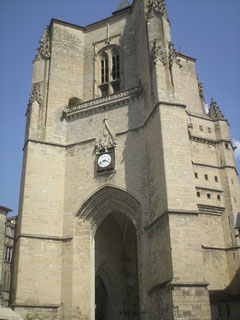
{"x": 124, "y": 4}
{"x": 214, "y": 111}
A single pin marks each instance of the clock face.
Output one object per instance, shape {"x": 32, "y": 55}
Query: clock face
{"x": 104, "y": 160}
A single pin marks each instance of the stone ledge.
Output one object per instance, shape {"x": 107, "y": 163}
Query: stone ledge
{"x": 172, "y": 284}
{"x": 221, "y": 249}
{"x": 209, "y": 141}
{"x": 25, "y": 305}
{"x": 103, "y": 103}
{"x": 43, "y": 237}
{"x": 215, "y": 167}
{"x": 171, "y": 211}
{"x": 208, "y": 189}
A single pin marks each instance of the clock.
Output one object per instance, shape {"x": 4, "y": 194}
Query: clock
{"x": 104, "y": 160}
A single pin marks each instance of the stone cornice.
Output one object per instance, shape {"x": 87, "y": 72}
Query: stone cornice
{"x": 173, "y": 284}
{"x": 204, "y": 117}
{"x": 24, "y": 305}
{"x": 64, "y": 23}
{"x": 215, "y": 167}
{"x": 182, "y": 55}
{"x": 43, "y": 237}
{"x": 103, "y": 103}
{"x": 158, "y": 104}
{"x": 209, "y": 141}
{"x": 221, "y": 249}
{"x": 208, "y": 189}
{"x": 201, "y": 139}
{"x": 171, "y": 211}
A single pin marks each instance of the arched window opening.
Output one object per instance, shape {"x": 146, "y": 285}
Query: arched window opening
{"x": 104, "y": 68}
{"x": 110, "y": 72}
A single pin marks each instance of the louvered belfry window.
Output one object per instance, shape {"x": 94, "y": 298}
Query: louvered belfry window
{"x": 110, "y": 71}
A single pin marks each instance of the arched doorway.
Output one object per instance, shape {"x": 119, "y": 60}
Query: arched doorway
{"x": 116, "y": 272}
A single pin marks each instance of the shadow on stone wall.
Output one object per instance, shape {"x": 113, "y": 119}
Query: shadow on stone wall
{"x": 231, "y": 293}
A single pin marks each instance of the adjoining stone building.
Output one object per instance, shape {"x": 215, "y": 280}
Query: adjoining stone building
{"x": 3, "y": 221}
{"x": 8, "y": 259}
{"x": 130, "y": 190}
{"x": 7, "y": 241}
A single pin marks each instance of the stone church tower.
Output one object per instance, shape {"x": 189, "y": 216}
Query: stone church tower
{"x": 129, "y": 189}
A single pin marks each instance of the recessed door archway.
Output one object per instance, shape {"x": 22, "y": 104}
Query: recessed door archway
{"x": 112, "y": 216}
{"x": 116, "y": 271}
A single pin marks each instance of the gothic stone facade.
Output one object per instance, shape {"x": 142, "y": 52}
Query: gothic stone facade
{"x": 129, "y": 190}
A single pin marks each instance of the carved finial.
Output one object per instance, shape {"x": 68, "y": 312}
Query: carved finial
{"x": 43, "y": 50}
{"x": 158, "y": 54}
{"x": 36, "y": 94}
{"x": 173, "y": 56}
{"x": 214, "y": 111}
{"x": 201, "y": 92}
{"x": 157, "y": 6}
{"x": 107, "y": 139}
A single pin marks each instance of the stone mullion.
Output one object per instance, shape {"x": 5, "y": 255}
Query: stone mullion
{"x": 110, "y": 64}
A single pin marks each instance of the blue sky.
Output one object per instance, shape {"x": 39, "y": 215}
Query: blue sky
{"x": 208, "y": 30}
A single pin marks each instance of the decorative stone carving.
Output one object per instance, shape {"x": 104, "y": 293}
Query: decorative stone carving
{"x": 158, "y": 54}
{"x": 201, "y": 139}
{"x": 104, "y": 102}
{"x": 201, "y": 92}
{"x": 173, "y": 56}
{"x": 36, "y": 94}
{"x": 43, "y": 52}
{"x": 214, "y": 111}
{"x": 157, "y": 6}
{"x": 106, "y": 140}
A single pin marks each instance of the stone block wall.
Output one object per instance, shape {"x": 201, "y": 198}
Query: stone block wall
{"x": 163, "y": 139}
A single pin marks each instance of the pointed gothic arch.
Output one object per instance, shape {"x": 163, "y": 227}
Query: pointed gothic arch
{"x": 110, "y": 199}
